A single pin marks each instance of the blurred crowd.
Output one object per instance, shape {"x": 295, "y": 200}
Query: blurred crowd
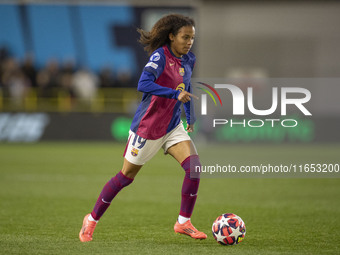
{"x": 17, "y": 78}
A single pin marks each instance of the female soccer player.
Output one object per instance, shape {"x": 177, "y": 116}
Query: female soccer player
{"x": 165, "y": 82}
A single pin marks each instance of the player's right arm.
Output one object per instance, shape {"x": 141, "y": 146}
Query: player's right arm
{"x": 147, "y": 84}
{"x": 185, "y": 96}
{"x": 152, "y": 70}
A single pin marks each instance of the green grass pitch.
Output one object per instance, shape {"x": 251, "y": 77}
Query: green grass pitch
{"x": 47, "y": 188}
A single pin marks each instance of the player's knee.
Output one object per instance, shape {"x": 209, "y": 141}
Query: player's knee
{"x": 192, "y": 167}
{"x": 130, "y": 170}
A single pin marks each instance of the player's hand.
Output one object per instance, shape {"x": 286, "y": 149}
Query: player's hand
{"x": 190, "y": 128}
{"x": 185, "y": 96}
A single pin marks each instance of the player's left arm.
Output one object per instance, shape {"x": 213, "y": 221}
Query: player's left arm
{"x": 189, "y": 106}
{"x": 189, "y": 112}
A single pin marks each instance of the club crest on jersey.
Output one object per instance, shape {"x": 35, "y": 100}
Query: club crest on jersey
{"x": 181, "y": 71}
{"x": 180, "y": 87}
{"x": 134, "y": 152}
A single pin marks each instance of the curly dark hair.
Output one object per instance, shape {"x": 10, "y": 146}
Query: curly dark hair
{"x": 159, "y": 34}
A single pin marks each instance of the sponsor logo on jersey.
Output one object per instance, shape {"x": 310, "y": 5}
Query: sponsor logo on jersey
{"x": 152, "y": 64}
{"x": 180, "y": 87}
{"x": 134, "y": 152}
{"x": 181, "y": 71}
{"x": 155, "y": 57}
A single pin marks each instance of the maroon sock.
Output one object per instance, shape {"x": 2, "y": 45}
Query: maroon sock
{"x": 110, "y": 190}
{"x": 190, "y": 185}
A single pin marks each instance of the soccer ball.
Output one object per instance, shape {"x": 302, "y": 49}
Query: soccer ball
{"x": 228, "y": 229}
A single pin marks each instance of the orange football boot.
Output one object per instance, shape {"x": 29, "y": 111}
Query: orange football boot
{"x": 188, "y": 229}
{"x": 86, "y": 232}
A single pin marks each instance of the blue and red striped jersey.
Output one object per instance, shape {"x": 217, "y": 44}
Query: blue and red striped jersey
{"x": 162, "y": 80}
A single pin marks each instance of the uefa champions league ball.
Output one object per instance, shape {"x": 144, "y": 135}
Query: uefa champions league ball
{"x": 228, "y": 229}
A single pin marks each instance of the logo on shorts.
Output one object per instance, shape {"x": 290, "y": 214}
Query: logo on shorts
{"x": 134, "y": 152}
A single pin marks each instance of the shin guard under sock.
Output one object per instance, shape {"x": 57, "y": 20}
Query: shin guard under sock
{"x": 110, "y": 190}
{"x": 190, "y": 185}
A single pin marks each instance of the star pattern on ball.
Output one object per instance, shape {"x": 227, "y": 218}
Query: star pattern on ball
{"x": 236, "y": 232}
{"x": 225, "y": 224}
{"x": 219, "y": 237}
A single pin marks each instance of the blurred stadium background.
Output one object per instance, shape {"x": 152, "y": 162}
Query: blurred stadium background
{"x": 66, "y": 65}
